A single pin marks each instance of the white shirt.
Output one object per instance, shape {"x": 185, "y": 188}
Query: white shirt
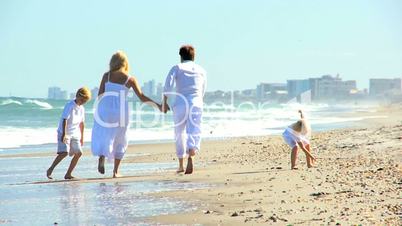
{"x": 74, "y": 114}
{"x": 190, "y": 80}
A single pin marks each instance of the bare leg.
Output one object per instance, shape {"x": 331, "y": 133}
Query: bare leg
{"x": 293, "y": 157}
{"x": 56, "y": 161}
{"x": 101, "y": 164}
{"x": 116, "y": 168}
{"x": 189, "y": 168}
{"x": 181, "y": 166}
{"x": 192, "y": 152}
{"x": 73, "y": 163}
{"x": 309, "y": 160}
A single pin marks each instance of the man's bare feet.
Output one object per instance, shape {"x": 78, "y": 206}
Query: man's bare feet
{"x": 117, "y": 175}
{"x": 49, "y": 174}
{"x": 180, "y": 170}
{"x": 189, "y": 168}
{"x": 295, "y": 168}
{"x": 101, "y": 165}
{"x": 69, "y": 177}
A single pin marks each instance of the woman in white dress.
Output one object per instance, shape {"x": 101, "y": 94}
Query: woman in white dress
{"x": 111, "y": 116}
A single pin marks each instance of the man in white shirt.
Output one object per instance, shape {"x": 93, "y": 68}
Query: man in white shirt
{"x": 189, "y": 81}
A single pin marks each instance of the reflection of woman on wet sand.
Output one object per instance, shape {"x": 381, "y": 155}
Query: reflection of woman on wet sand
{"x": 111, "y": 118}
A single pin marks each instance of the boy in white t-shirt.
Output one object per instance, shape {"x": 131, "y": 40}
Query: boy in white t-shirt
{"x": 70, "y": 133}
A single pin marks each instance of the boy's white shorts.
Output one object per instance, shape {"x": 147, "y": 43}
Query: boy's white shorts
{"x": 72, "y": 146}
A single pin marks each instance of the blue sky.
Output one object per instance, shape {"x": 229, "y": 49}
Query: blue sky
{"x": 239, "y": 43}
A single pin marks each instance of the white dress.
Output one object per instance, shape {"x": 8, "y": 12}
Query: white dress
{"x": 292, "y": 137}
{"x": 111, "y": 120}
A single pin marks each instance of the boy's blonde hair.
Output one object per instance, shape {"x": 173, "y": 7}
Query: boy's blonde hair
{"x": 84, "y": 92}
{"x": 119, "y": 61}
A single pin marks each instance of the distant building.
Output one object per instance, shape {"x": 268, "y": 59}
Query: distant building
{"x": 382, "y": 87}
{"x": 218, "y": 93}
{"x": 56, "y": 93}
{"x": 63, "y": 95}
{"x": 314, "y": 82}
{"x": 149, "y": 88}
{"x": 159, "y": 90}
{"x": 94, "y": 92}
{"x": 329, "y": 87}
{"x": 248, "y": 92}
{"x": 72, "y": 96}
{"x": 296, "y": 88}
{"x": 52, "y": 92}
{"x": 261, "y": 90}
{"x": 272, "y": 92}
{"x": 214, "y": 96}
{"x": 236, "y": 93}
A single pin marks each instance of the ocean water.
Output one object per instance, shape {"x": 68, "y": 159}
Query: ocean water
{"x": 29, "y": 125}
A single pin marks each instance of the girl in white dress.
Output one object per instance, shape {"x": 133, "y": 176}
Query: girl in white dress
{"x": 296, "y": 135}
{"x": 111, "y": 116}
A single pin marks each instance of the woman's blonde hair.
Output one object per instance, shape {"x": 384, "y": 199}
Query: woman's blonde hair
{"x": 84, "y": 92}
{"x": 119, "y": 62}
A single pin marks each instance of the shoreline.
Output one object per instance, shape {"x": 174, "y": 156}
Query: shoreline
{"x": 325, "y": 119}
{"x": 374, "y": 117}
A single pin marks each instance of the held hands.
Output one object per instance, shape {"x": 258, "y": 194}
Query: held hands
{"x": 164, "y": 107}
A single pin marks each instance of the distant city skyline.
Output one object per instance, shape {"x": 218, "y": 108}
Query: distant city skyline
{"x": 159, "y": 85}
{"x": 325, "y": 87}
{"x": 240, "y": 43}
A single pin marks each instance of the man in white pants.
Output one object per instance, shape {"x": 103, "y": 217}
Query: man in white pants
{"x": 189, "y": 80}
